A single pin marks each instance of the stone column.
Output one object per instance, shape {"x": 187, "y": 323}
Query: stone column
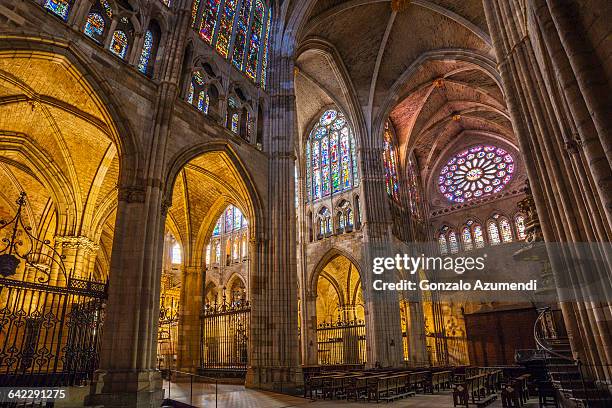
{"x": 274, "y": 355}
{"x": 127, "y": 376}
{"x": 382, "y": 311}
{"x": 192, "y": 295}
{"x": 556, "y": 114}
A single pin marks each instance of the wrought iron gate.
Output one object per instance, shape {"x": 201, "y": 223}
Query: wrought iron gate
{"x": 50, "y": 321}
{"x": 225, "y": 330}
{"x": 49, "y": 335}
{"x": 342, "y": 342}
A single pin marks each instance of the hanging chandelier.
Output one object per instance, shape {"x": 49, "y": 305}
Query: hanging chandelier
{"x": 18, "y": 244}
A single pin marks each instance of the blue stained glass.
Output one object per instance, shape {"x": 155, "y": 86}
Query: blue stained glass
{"x": 241, "y": 33}
{"x": 235, "y": 123}
{"x": 335, "y": 172}
{"x": 255, "y": 42}
{"x": 119, "y": 44}
{"x": 94, "y": 27}
{"x": 237, "y": 219}
{"x": 225, "y": 27}
{"x": 217, "y": 229}
{"x": 308, "y": 176}
{"x": 264, "y": 59}
{"x": 325, "y": 166}
{"x": 107, "y": 8}
{"x": 60, "y": 8}
{"x": 209, "y": 20}
{"x": 145, "y": 55}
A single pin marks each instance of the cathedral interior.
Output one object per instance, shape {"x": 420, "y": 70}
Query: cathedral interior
{"x": 194, "y": 195}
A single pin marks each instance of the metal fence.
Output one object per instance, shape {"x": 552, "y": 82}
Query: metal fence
{"x": 341, "y": 342}
{"x": 49, "y": 335}
{"x": 225, "y": 330}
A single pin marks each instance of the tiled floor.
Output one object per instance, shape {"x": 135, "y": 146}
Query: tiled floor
{"x": 236, "y": 396}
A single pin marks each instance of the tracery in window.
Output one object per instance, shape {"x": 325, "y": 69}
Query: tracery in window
{"x": 476, "y": 172}
{"x": 61, "y": 8}
{"x": 225, "y": 27}
{"x": 330, "y": 166}
{"x": 414, "y": 195}
{"x": 197, "y": 93}
{"x": 239, "y": 24}
{"x": 390, "y": 163}
{"x": 325, "y": 222}
{"x": 240, "y": 41}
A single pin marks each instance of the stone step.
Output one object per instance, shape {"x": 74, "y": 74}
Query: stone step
{"x": 592, "y": 402}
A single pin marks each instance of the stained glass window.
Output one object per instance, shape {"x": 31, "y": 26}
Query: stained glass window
{"x": 167, "y": 2}
{"x": 225, "y": 27}
{"x": 94, "y": 27}
{"x": 349, "y": 217}
{"x": 506, "y": 230}
{"x": 145, "y": 55}
{"x": 494, "y": 238}
{"x": 466, "y": 237}
{"x": 59, "y": 7}
{"x": 264, "y": 59}
{"x": 242, "y": 28}
{"x": 217, "y": 252}
{"x": 194, "y": 12}
{"x": 475, "y": 172}
{"x": 325, "y": 221}
{"x": 197, "y": 93}
{"x": 478, "y": 236}
{"x": 390, "y": 163}
{"x": 217, "y": 229}
{"x": 209, "y": 20}
{"x": 414, "y": 195}
{"x": 208, "y": 254}
{"x": 235, "y": 120}
{"x": 119, "y": 44}
{"x": 442, "y": 244}
{"x": 519, "y": 220}
{"x": 229, "y": 218}
{"x": 255, "y": 42}
{"x": 237, "y": 219}
{"x": 330, "y": 163}
{"x": 452, "y": 241}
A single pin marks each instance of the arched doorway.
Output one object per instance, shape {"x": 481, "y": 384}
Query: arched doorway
{"x": 340, "y": 314}
{"x": 212, "y": 215}
{"x": 60, "y": 156}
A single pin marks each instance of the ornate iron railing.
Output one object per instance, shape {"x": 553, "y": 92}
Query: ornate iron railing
{"x": 225, "y": 329}
{"x": 341, "y": 342}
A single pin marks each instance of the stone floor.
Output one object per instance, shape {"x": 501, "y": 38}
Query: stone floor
{"x": 236, "y": 396}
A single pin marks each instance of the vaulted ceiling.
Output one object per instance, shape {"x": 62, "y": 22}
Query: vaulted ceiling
{"x": 429, "y": 67}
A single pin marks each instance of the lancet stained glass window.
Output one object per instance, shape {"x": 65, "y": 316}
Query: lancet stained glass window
{"x": 390, "y": 163}
{"x": 442, "y": 243}
{"x": 452, "y": 241}
{"x": 476, "y": 172}
{"x": 145, "y": 55}
{"x": 331, "y": 164}
{"x": 255, "y": 41}
{"x": 94, "y": 26}
{"x": 494, "y": 238}
{"x": 119, "y": 44}
{"x": 60, "y": 8}
{"x": 197, "y": 93}
{"x": 107, "y": 8}
{"x": 478, "y": 236}
{"x": 242, "y": 29}
{"x": 466, "y": 237}
{"x": 243, "y": 25}
{"x": 209, "y": 20}
{"x": 225, "y": 27}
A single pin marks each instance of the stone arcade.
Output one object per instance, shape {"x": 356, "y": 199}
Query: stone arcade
{"x": 204, "y": 186}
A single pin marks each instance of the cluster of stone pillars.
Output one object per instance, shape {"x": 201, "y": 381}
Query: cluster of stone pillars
{"x": 558, "y": 97}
